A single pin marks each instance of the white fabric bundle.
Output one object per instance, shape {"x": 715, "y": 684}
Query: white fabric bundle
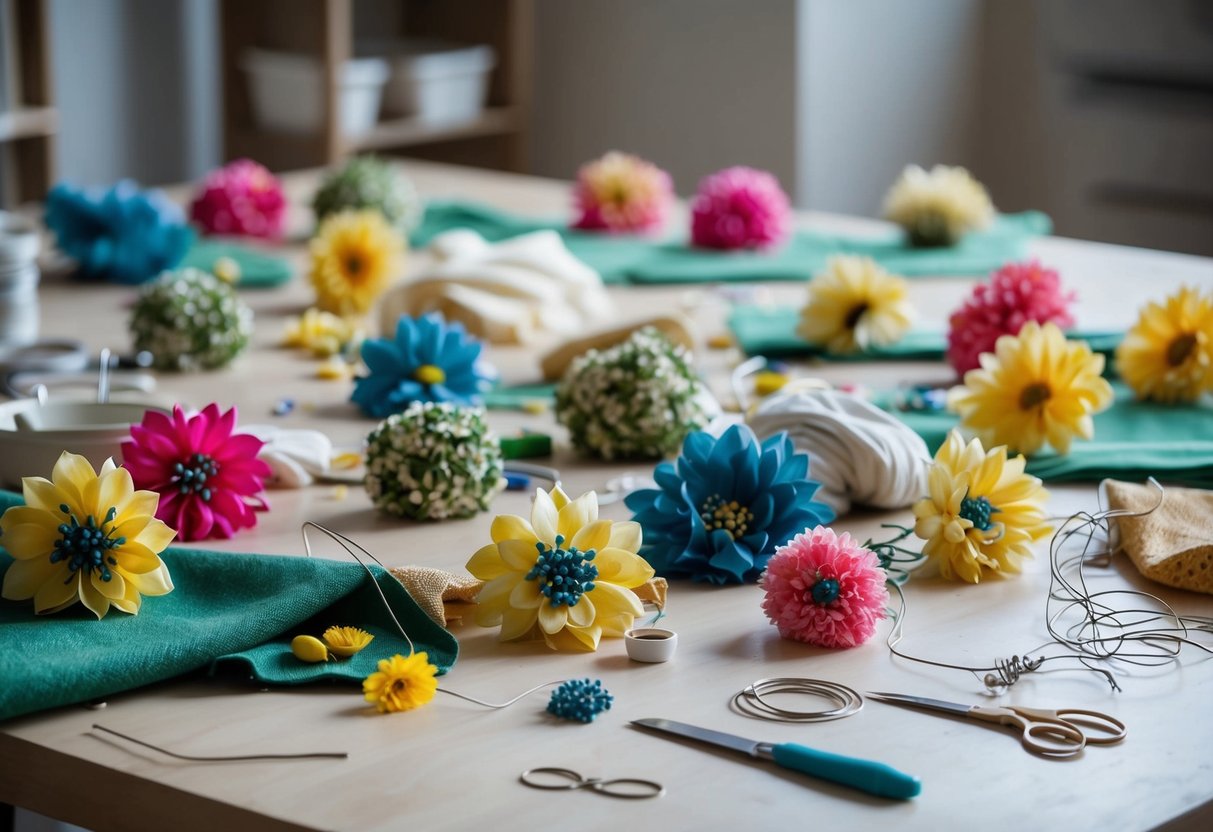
{"x": 859, "y": 453}
{"x": 295, "y": 457}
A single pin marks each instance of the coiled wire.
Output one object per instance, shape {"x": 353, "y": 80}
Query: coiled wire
{"x": 751, "y": 700}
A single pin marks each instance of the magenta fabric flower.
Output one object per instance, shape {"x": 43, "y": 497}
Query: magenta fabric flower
{"x": 241, "y": 198}
{"x": 740, "y": 208}
{"x": 621, "y": 193}
{"x": 824, "y": 589}
{"x": 1016, "y": 293}
{"x": 210, "y": 480}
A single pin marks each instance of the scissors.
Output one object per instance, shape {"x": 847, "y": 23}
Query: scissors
{"x": 560, "y": 779}
{"x": 1061, "y": 733}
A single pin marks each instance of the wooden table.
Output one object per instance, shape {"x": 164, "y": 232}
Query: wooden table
{"x": 452, "y": 765}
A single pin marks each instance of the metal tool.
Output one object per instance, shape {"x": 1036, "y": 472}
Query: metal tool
{"x": 1060, "y": 733}
{"x": 561, "y": 779}
{"x": 865, "y": 775}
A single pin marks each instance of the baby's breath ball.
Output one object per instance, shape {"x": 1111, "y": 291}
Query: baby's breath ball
{"x": 367, "y": 182}
{"x": 636, "y": 400}
{"x": 191, "y": 320}
{"x": 433, "y": 461}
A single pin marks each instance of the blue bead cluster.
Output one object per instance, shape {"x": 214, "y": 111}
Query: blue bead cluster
{"x": 564, "y": 575}
{"x": 85, "y": 546}
{"x": 978, "y": 511}
{"x": 825, "y": 591}
{"x": 190, "y": 476}
{"x": 580, "y": 700}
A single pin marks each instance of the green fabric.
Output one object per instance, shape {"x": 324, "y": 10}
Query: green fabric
{"x": 636, "y": 259}
{"x": 1133, "y": 440}
{"x": 517, "y": 396}
{"x": 257, "y": 270}
{"x": 771, "y": 331}
{"x": 225, "y": 608}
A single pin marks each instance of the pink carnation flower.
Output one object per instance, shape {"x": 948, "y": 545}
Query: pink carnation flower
{"x": 1016, "y": 293}
{"x": 209, "y": 479}
{"x": 824, "y": 589}
{"x": 739, "y": 208}
{"x": 241, "y": 198}
{"x": 622, "y": 193}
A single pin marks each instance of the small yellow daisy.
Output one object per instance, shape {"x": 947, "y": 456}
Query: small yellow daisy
{"x": 855, "y": 305}
{"x": 1036, "y": 387}
{"x": 355, "y": 256}
{"x": 940, "y": 207}
{"x": 1168, "y": 355}
{"x": 401, "y": 684}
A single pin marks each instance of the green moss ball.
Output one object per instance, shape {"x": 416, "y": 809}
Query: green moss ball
{"x": 191, "y": 320}
{"x": 367, "y": 182}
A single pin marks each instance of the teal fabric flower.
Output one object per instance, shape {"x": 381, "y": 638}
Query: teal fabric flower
{"x": 721, "y": 510}
{"x": 429, "y": 360}
{"x": 123, "y": 235}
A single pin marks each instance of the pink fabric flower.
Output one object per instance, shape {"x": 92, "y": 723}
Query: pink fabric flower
{"x": 209, "y": 479}
{"x": 824, "y": 589}
{"x": 241, "y": 198}
{"x": 622, "y": 193}
{"x": 739, "y": 208}
{"x": 1016, "y": 293}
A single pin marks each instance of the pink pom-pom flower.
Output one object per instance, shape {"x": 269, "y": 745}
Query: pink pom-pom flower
{"x": 824, "y": 589}
{"x": 740, "y": 207}
{"x": 1016, "y": 293}
{"x": 621, "y": 193}
{"x": 209, "y": 479}
{"x": 241, "y": 198}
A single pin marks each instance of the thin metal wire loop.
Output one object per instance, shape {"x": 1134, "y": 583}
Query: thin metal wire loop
{"x": 752, "y": 700}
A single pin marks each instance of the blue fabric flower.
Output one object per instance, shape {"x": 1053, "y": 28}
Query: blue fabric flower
{"x": 429, "y": 360}
{"x": 718, "y": 514}
{"x": 123, "y": 235}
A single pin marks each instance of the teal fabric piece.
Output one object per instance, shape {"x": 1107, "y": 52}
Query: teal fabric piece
{"x": 257, "y": 270}
{"x": 637, "y": 259}
{"x": 1133, "y": 440}
{"x": 771, "y": 331}
{"x": 515, "y": 397}
{"x": 225, "y": 607}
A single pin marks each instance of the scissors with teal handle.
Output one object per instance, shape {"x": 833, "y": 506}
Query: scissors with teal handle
{"x": 1060, "y": 733}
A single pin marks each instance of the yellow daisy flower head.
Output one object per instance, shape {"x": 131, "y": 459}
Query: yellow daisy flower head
{"x": 346, "y": 641}
{"x": 401, "y": 683}
{"x": 355, "y": 255}
{"x": 939, "y": 207}
{"x": 1168, "y": 355}
{"x": 85, "y": 536}
{"x": 983, "y": 512}
{"x": 1036, "y": 387}
{"x": 855, "y": 305}
{"x": 565, "y": 575}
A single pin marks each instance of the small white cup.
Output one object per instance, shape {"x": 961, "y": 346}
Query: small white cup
{"x": 650, "y": 644}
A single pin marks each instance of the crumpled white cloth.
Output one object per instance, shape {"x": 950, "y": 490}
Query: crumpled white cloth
{"x": 859, "y": 453}
{"x": 296, "y": 457}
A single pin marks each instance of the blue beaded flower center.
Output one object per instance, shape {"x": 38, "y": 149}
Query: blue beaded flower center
{"x": 977, "y": 510}
{"x": 732, "y": 517}
{"x": 825, "y": 591}
{"x": 191, "y": 476}
{"x": 580, "y": 700}
{"x": 86, "y": 546}
{"x": 564, "y": 575}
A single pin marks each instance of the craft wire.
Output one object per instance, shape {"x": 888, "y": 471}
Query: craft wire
{"x": 1103, "y": 632}
{"x": 197, "y": 758}
{"x": 750, "y": 701}
{"x": 349, "y": 546}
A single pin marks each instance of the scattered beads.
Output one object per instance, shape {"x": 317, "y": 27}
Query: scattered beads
{"x": 580, "y": 700}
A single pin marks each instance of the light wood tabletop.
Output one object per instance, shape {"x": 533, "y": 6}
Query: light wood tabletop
{"x": 454, "y": 765}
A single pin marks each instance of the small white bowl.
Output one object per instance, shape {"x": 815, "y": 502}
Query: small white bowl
{"x": 650, "y": 644}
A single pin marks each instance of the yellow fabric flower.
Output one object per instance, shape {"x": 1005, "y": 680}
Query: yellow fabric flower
{"x": 1035, "y": 387}
{"x": 85, "y": 536}
{"x": 983, "y": 513}
{"x": 855, "y": 305}
{"x": 593, "y": 597}
{"x": 321, "y": 333}
{"x": 355, "y": 255}
{"x": 1168, "y": 355}
{"x": 346, "y": 641}
{"x": 401, "y": 683}
{"x": 940, "y": 207}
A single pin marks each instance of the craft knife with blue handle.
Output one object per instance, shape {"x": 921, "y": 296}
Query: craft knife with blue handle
{"x": 865, "y": 775}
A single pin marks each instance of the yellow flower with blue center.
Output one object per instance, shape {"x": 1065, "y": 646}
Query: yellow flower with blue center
{"x": 85, "y": 536}
{"x": 565, "y": 575}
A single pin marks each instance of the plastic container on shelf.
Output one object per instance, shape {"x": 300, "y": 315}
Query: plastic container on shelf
{"x": 438, "y": 82}
{"x": 287, "y": 91}
{"x": 19, "y": 275}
